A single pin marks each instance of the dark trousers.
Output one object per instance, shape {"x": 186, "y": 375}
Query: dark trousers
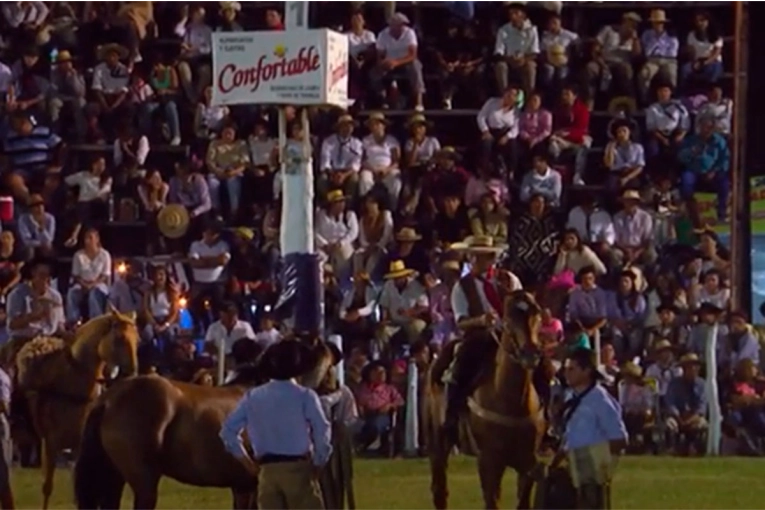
{"x": 503, "y": 158}
{"x": 206, "y": 299}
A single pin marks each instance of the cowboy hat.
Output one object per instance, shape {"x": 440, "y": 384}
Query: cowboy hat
{"x": 631, "y": 369}
{"x": 620, "y": 105}
{"x": 345, "y": 118}
{"x": 448, "y": 152}
{"x": 173, "y": 221}
{"x": 336, "y": 195}
{"x": 662, "y": 345}
{"x": 556, "y": 55}
{"x": 244, "y": 233}
{"x": 105, "y": 49}
{"x": 631, "y": 194}
{"x": 377, "y": 117}
{"x": 398, "y": 269}
{"x": 63, "y": 56}
{"x": 418, "y": 118}
{"x": 451, "y": 265}
{"x": 236, "y": 6}
{"x": 632, "y": 16}
{"x": 399, "y": 18}
{"x": 408, "y": 234}
{"x": 658, "y": 16}
{"x": 690, "y": 358}
{"x": 286, "y": 359}
{"x": 479, "y": 244}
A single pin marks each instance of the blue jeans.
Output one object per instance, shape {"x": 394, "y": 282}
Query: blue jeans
{"x": 720, "y": 182}
{"x": 233, "y": 187}
{"x": 96, "y": 300}
{"x": 709, "y": 73}
{"x": 171, "y": 116}
{"x": 464, "y": 10}
{"x": 548, "y": 73}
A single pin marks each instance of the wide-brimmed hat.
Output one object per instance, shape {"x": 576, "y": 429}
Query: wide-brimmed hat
{"x": 105, "y": 49}
{"x": 557, "y": 55}
{"x": 63, "y": 56}
{"x": 286, "y": 359}
{"x": 630, "y": 369}
{"x": 336, "y": 195}
{"x": 479, "y": 244}
{"x": 418, "y": 118}
{"x": 448, "y": 152}
{"x": 173, "y": 221}
{"x": 690, "y": 358}
{"x": 345, "y": 118}
{"x": 632, "y": 16}
{"x": 658, "y": 16}
{"x": 377, "y": 117}
{"x": 235, "y": 6}
{"x": 621, "y": 104}
{"x": 631, "y": 194}
{"x": 451, "y": 265}
{"x": 398, "y": 269}
{"x": 408, "y": 234}
{"x": 399, "y": 17}
{"x": 245, "y": 233}
{"x": 662, "y": 345}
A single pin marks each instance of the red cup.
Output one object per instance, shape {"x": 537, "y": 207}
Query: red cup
{"x": 6, "y": 208}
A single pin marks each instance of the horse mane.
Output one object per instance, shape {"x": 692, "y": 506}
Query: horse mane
{"x": 96, "y": 328}
{"x": 35, "y": 360}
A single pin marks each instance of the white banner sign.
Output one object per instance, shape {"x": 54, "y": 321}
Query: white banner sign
{"x": 302, "y": 67}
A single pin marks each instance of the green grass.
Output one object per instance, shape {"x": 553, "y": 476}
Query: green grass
{"x": 641, "y": 482}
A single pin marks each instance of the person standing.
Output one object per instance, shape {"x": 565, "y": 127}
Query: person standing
{"x": 288, "y": 455}
{"x": 6, "y": 454}
{"x": 594, "y": 434}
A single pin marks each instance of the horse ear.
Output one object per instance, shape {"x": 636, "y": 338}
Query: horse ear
{"x": 132, "y": 316}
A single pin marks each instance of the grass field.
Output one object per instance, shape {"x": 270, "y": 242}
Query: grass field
{"x": 642, "y": 482}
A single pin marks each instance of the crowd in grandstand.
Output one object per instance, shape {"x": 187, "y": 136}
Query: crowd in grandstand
{"x": 581, "y": 148}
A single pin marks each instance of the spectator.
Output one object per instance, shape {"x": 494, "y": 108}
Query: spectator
{"x": 593, "y": 224}
{"x": 336, "y": 232}
{"x": 129, "y": 157}
{"x": 248, "y": 273}
{"x": 588, "y": 303}
{"x": 27, "y": 17}
{"x": 633, "y": 229}
{"x": 380, "y": 163}
{"x": 258, "y": 180}
{"x": 340, "y": 159}
{"x": 451, "y": 224}
{"x": 357, "y": 312}
{"x": 228, "y": 14}
{"x": 557, "y": 45}
{"x": 189, "y": 189}
{"x": 489, "y": 219}
{"x": 574, "y": 255}
{"x": 67, "y": 93}
{"x": 397, "y": 60}
{"x": 667, "y": 122}
{"x": 542, "y": 180}
{"x": 109, "y": 86}
{"x": 37, "y": 228}
{"x": 611, "y": 63}
{"x": 30, "y": 149}
{"x": 447, "y": 174}
{"x": 705, "y": 47}
{"x": 717, "y": 108}
{"x": 11, "y": 263}
{"x": 420, "y": 148}
{"x": 209, "y": 258}
{"x": 267, "y": 334}
{"x": 160, "y": 310}
{"x": 91, "y": 278}
{"x": 227, "y": 330}
{"x": 687, "y": 401}
{"x": 404, "y": 305}
{"x": 664, "y": 369}
{"x": 636, "y": 401}
{"x": 209, "y": 118}
{"x": 34, "y": 307}
{"x": 623, "y": 158}
{"x": 129, "y": 288}
{"x": 362, "y": 53}
{"x": 409, "y": 249}
{"x": 499, "y": 122}
{"x": 742, "y": 342}
{"x": 29, "y": 88}
{"x": 748, "y": 404}
{"x": 533, "y": 243}
{"x": 660, "y": 49}
{"x": 535, "y": 125}
{"x": 95, "y": 187}
{"x": 669, "y": 328}
{"x": 708, "y": 315}
{"x": 164, "y": 82}
{"x": 516, "y": 49}
{"x": 460, "y": 58}
{"x": 710, "y": 290}
{"x": 227, "y": 159}
{"x": 377, "y": 400}
{"x": 375, "y": 235}
{"x": 442, "y": 315}
{"x": 571, "y": 125}
{"x": 6, "y": 82}
{"x": 626, "y": 315}
{"x": 273, "y": 20}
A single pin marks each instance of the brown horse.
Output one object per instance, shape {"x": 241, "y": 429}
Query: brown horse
{"x": 147, "y": 427}
{"x": 59, "y": 381}
{"x": 505, "y": 422}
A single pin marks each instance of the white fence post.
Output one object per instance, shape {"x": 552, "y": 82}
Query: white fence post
{"x": 411, "y": 423}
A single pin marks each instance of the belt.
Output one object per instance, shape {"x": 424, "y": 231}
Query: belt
{"x": 272, "y": 458}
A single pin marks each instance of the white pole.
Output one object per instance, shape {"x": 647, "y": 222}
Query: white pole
{"x": 713, "y": 397}
{"x": 411, "y": 424}
{"x": 596, "y": 345}
{"x": 340, "y": 368}
{"x": 221, "y": 361}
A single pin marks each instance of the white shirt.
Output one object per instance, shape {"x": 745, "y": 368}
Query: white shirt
{"x": 564, "y": 38}
{"x": 90, "y": 185}
{"x": 379, "y": 155}
{"x": 198, "y": 36}
{"x": 108, "y": 81}
{"x": 601, "y": 225}
{"x": 141, "y": 153}
{"x": 513, "y": 41}
{"x": 613, "y": 46}
{"x": 720, "y": 112}
{"x": 218, "y": 333}
{"x": 91, "y": 269}
{"x": 201, "y": 249}
{"x": 396, "y": 48}
{"x": 668, "y": 117}
{"x": 268, "y": 338}
{"x": 495, "y": 116}
{"x": 159, "y": 304}
{"x": 387, "y": 234}
{"x": 392, "y": 300}
{"x": 329, "y": 230}
{"x": 341, "y": 153}
{"x": 261, "y": 150}
{"x": 6, "y": 78}
{"x": 360, "y": 43}
{"x": 702, "y": 49}
{"x": 663, "y": 376}
{"x": 425, "y": 151}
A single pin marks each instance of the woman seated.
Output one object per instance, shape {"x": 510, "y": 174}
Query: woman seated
{"x": 95, "y": 187}
{"x": 160, "y": 308}
{"x": 636, "y": 400}
{"x": 227, "y": 159}
{"x": 748, "y": 401}
{"x": 152, "y": 192}
{"x": 91, "y": 279}
{"x": 573, "y": 255}
{"x": 710, "y": 290}
{"x": 626, "y": 314}
{"x": 489, "y": 219}
{"x": 376, "y": 400}
{"x": 375, "y": 234}
{"x": 209, "y": 118}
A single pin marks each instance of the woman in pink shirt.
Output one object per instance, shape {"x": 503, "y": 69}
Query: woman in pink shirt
{"x": 376, "y": 399}
{"x": 535, "y": 124}
{"x": 485, "y": 182}
{"x": 550, "y": 333}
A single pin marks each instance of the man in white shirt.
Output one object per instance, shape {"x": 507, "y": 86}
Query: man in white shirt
{"x": 397, "y": 60}
{"x": 224, "y": 332}
{"x": 594, "y": 225}
{"x": 404, "y": 303}
{"x": 336, "y": 232}
{"x": 667, "y": 122}
{"x": 110, "y": 82}
{"x": 341, "y": 158}
{"x": 195, "y": 52}
{"x": 498, "y": 121}
{"x": 556, "y": 45}
{"x": 208, "y": 258}
{"x": 516, "y": 49}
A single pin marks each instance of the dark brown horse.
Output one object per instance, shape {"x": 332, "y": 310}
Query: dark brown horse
{"x": 147, "y": 427}
{"x": 505, "y": 422}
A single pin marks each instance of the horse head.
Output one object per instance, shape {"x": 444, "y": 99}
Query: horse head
{"x": 118, "y": 339}
{"x": 520, "y": 332}
{"x": 321, "y": 359}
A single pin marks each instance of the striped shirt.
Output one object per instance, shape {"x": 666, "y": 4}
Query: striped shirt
{"x": 32, "y": 152}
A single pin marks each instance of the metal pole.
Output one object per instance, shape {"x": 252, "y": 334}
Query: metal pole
{"x": 738, "y": 221}
{"x": 712, "y": 392}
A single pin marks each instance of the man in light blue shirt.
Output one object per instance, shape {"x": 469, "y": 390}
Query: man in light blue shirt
{"x": 287, "y": 429}
{"x": 594, "y": 433}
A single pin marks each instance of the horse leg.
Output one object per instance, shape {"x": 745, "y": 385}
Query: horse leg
{"x": 145, "y": 491}
{"x": 439, "y": 463}
{"x": 48, "y": 454}
{"x": 525, "y": 485}
{"x": 244, "y": 500}
{"x": 491, "y": 470}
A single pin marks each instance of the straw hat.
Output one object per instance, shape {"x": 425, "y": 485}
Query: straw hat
{"x": 398, "y": 269}
{"x": 407, "y": 234}
{"x": 621, "y": 104}
{"x": 235, "y": 6}
{"x": 377, "y": 117}
{"x": 345, "y": 118}
{"x": 105, "y": 49}
{"x": 690, "y": 358}
{"x": 631, "y": 194}
{"x": 630, "y": 369}
{"x": 173, "y": 221}
{"x": 244, "y": 233}
{"x": 632, "y": 16}
{"x": 479, "y": 244}
{"x": 658, "y": 16}
{"x": 556, "y": 55}
{"x": 451, "y": 265}
{"x": 418, "y": 118}
{"x": 336, "y": 195}
{"x": 662, "y": 345}
{"x": 63, "y": 56}
{"x": 448, "y": 152}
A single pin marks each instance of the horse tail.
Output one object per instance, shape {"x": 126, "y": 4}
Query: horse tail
{"x": 96, "y": 478}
